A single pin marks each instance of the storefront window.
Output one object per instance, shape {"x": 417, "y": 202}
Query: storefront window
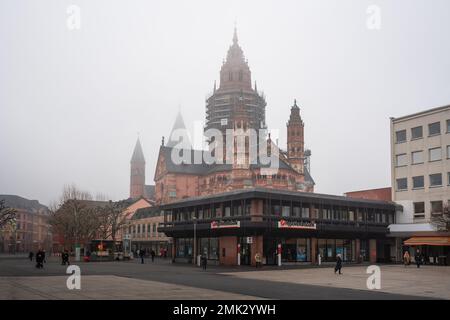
{"x": 286, "y": 211}
{"x": 210, "y": 248}
{"x": 184, "y": 247}
{"x": 303, "y": 250}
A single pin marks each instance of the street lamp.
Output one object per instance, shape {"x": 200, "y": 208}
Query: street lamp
{"x": 195, "y": 239}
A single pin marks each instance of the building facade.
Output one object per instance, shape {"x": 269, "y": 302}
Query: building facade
{"x": 235, "y": 111}
{"x": 143, "y": 228}
{"x": 420, "y": 162}
{"x": 282, "y": 226}
{"x": 30, "y": 230}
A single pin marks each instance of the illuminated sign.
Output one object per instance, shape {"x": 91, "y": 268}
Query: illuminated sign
{"x": 283, "y": 224}
{"x": 225, "y": 224}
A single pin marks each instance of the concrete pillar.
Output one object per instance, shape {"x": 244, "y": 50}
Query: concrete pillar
{"x": 314, "y": 250}
{"x": 358, "y": 251}
{"x": 256, "y": 209}
{"x": 373, "y": 250}
{"x": 256, "y": 246}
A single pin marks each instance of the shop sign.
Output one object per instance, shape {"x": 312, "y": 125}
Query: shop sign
{"x": 283, "y": 224}
{"x": 225, "y": 224}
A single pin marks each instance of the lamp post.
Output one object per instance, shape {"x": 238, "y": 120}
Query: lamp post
{"x": 195, "y": 239}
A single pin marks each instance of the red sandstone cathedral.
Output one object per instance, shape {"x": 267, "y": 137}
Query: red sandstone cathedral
{"x": 236, "y": 107}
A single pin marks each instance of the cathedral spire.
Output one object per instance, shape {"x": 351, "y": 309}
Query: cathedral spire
{"x": 138, "y": 155}
{"x": 235, "y": 37}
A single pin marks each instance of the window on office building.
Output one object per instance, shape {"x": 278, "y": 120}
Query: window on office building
{"x": 434, "y": 128}
{"x": 448, "y": 152}
{"x": 436, "y": 207}
{"x": 402, "y": 184}
{"x": 400, "y": 136}
{"x": 435, "y": 180}
{"x": 417, "y": 157}
{"x": 448, "y": 126}
{"x": 448, "y": 179}
{"x": 435, "y": 154}
{"x": 400, "y": 160}
{"x": 418, "y": 182}
{"x": 419, "y": 209}
{"x": 416, "y": 133}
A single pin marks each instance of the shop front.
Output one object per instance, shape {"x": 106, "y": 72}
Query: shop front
{"x": 283, "y": 227}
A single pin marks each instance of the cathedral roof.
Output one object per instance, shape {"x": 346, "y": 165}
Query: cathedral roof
{"x": 138, "y": 155}
{"x": 204, "y": 168}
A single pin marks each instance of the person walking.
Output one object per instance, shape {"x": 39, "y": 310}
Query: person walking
{"x": 65, "y": 258}
{"x": 418, "y": 258}
{"x": 338, "y": 266}
{"x": 204, "y": 261}
{"x": 152, "y": 253}
{"x": 142, "y": 255}
{"x": 31, "y": 255}
{"x": 258, "y": 260}
{"x": 406, "y": 259}
{"x": 39, "y": 259}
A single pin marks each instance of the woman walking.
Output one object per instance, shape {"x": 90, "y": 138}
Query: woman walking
{"x": 338, "y": 266}
{"x": 406, "y": 259}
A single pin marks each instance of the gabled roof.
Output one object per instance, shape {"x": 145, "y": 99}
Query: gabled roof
{"x": 17, "y": 202}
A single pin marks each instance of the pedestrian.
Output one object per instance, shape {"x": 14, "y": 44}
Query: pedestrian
{"x": 30, "y": 255}
{"x": 65, "y": 258}
{"x": 142, "y": 254}
{"x": 39, "y": 259}
{"x": 258, "y": 260}
{"x": 204, "y": 261}
{"x": 418, "y": 258}
{"x": 338, "y": 266}
{"x": 406, "y": 259}
{"x": 152, "y": 253}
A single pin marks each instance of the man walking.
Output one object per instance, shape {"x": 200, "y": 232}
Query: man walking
{"x": 418, "y": 258}
{"x": 152, "y": 253}
{"x": 258, "y": 260}
{"x": 338, "y": 266}
{"x": 142, "y": 254}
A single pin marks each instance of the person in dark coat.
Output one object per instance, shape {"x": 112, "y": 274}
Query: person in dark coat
{"x": 142, "y": 255}
{"x": 418, "y": 258}
{"x": 152, "y": 253}
{"x": 204, "y": 261}
{"x": 338, "y": 266}
{"x": 31, "y": 255}
{"x": 65, "y": 258}
{"x": 39, "y": 259}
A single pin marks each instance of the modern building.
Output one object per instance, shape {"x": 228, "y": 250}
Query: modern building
{"x": 295, "y": 227}
{"x": 30, "y": 230}
{"x": 420, "y": 162}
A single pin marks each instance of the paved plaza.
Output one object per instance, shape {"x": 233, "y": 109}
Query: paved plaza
{"x": 19, "y": 279}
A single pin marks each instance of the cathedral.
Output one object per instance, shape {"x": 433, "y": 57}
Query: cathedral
{"x": 235, "y": 106}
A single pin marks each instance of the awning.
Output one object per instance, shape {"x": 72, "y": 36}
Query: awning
{"x": 427, "y": 241}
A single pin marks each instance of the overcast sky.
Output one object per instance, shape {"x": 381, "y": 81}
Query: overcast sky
{"x": 73, "y": 101}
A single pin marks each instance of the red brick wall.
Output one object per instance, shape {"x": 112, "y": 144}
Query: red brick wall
{"x": 372, "y": 194}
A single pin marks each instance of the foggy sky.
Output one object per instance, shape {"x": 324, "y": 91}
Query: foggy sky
{"x": 73, "y": 101}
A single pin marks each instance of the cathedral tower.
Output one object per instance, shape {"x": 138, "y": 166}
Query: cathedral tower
{"x": 137, "y": 174}
{"x": 295, "y": 139}
{"x": 235, "y": 91}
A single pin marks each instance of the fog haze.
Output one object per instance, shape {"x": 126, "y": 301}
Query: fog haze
{"x": 73, "y": 102}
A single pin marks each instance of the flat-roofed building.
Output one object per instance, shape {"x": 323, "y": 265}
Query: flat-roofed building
{"x": 420, "y": 173}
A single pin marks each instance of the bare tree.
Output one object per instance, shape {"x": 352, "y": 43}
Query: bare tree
{"x": 112, "y": 219}
{"x": 442, "y": 221}
{"x": 75, "y": 218}
{"x": 7, "y": 214}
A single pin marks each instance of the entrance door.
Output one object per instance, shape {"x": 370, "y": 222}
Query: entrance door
{"x": 246, "y": 256}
